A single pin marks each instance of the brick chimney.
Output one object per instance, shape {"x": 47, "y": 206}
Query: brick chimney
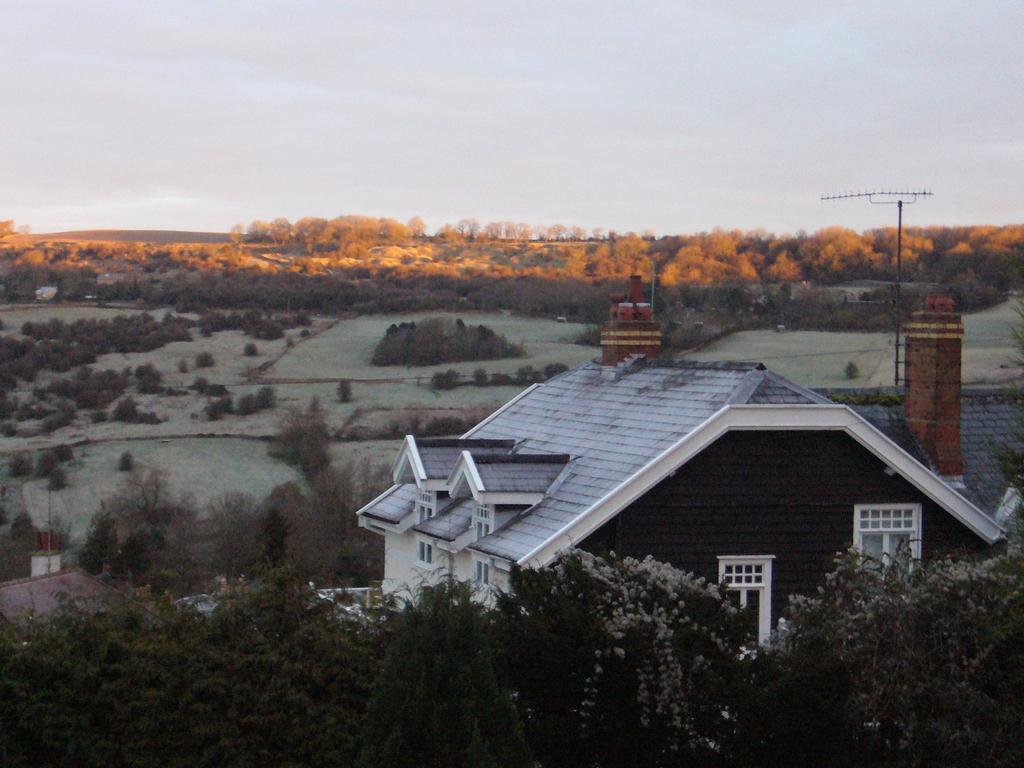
{"x": 932, "y": 374}
{"x": 630, "y": 329}
{"x": 46, "y": 557}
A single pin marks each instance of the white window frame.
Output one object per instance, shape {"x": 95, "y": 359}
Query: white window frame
{"x": 426, "y": 504}
{"x": 916, "y": 531}
{"x": 482, "y": 572}
{"x": 424, "y": 552}
{"x": 483, "y": 519}
{"x": 755, "y": 581}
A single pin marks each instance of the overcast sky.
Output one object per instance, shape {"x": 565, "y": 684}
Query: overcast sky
{"x": 674, "y": 116}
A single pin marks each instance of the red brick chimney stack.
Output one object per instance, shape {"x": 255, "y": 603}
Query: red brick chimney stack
{"x": 932, "y": 375}
{"x": 631, "y": 329}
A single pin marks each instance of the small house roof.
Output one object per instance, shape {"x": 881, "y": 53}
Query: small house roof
{"x": 45, "y": 595}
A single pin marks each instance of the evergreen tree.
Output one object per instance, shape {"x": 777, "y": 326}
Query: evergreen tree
{"x": 436, "y": 701}
{"x": 274, "y": 537}
{"x": 100, "y": 543}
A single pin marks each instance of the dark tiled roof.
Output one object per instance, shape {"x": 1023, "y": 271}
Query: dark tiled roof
{"x": 45, "y": 595}
{"x": 988, "y": 426}
{"x": 989, "y": 422}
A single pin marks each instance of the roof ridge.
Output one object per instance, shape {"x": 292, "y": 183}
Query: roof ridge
{"x": 525, "y": 458}
{"x": 458, "y": 442}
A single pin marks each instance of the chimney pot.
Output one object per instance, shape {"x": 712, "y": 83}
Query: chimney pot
{"x": 631, "y": 329}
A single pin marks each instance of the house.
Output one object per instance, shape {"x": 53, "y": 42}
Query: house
{"x": 46, "y": 293}
{"x": 50, "y": 587}
{"x": 728, "y": 470}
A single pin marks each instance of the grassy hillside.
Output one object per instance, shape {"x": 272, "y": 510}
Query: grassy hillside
{"x": 157, "y": 236}
{"x": 819, "y": 359}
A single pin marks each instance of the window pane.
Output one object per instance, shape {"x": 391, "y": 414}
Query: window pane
{"x": 871, "y": 543}
{"x": 899, "y": 543}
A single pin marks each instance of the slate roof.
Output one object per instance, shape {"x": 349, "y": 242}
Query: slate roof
{"x": 451, "y": 522}
{"x": 989, "y": 421}
{"x": 613, "y": 427}
{"x": 520, "y": 474}
{"x": 440, "y": 454}
{"x": 44, "y": 595}
{"x": 393, "y": 505}
{"x": 610, "y": 427}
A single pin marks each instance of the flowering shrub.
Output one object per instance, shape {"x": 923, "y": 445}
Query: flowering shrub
{"x": 927, "y": 653}
{"x": 634, "y": 658}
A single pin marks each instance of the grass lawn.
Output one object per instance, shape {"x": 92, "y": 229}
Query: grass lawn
{"x": 819, "y": 358}
{"x": 204, "y": 469}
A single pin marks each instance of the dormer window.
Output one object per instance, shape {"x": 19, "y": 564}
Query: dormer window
{"x": 483, "y": 519}
{"x": 426, "y": 504}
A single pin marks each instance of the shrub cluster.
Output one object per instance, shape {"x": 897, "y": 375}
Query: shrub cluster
{"x": 59, "y": 346}
{"x": 247, "y": 404}
{"x": 435, "y": 340}
{"x": 252, "y": 322}
{"x": 127, "y": 410}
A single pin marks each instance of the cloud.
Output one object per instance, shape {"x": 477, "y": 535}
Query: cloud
{"x": 676, "y": 116}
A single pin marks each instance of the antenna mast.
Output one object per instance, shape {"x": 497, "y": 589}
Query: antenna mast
{"x": 897, "y": 198}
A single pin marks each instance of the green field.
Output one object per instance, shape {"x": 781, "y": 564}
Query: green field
{"x": 819, "y": 359}
{"x": 14, "y": 315}
{"x": 345, "y": 350}
{"x": 203, "y": 469}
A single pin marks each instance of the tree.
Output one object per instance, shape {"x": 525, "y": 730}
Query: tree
{"x": 204, "y": 360}
{"x": 20, "y": 465}
{"x": 251, "y": 350}
{"x": 126, "y": 463}
{"x": 303, "y": 439}
{"x": 233, "y": 535}
{"x": 416, "y": 226}
{"x": 6, "y": 227}
{"x": 925, "y": 663}
{"x": 637, "y": 659}
{"x": 851, "y": 371}
{"x": 438, "y": 687}
{"x": 273, "y": 537}
{"x": 344, "y": 391}
{"x": 101, "y": 546}
{"x": 58, "y": 479}
{"x": 143, "y": 687}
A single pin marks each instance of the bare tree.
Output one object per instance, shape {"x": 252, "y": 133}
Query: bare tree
{"x": 417, "y": 227}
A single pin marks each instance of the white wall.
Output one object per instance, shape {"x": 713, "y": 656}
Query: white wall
{"x": 404, "y": 573}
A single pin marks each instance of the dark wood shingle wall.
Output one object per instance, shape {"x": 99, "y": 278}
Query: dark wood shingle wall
{"x": 788, "y": 494}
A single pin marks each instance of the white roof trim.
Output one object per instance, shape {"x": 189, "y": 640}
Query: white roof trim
{"x": 465, "y": 473}
{"x": 500, "y": 411}
{"x": 764, "y": 417}
{"x": 409, "y": 453}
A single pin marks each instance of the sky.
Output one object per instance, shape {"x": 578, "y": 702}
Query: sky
{"x": 671, "y": 116}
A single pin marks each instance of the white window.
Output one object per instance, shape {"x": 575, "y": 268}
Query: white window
{"x": 483, "y": 519}
{"x": 482, "y": 573}
{"x": 424, "y": 552}
{"x": 884, "y": 530}
{"x": 750, "y": 576}
{"x": 425, "y": 504}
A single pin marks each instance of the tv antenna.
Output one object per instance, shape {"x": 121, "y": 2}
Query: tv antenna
{"x": 899, "y": 198}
